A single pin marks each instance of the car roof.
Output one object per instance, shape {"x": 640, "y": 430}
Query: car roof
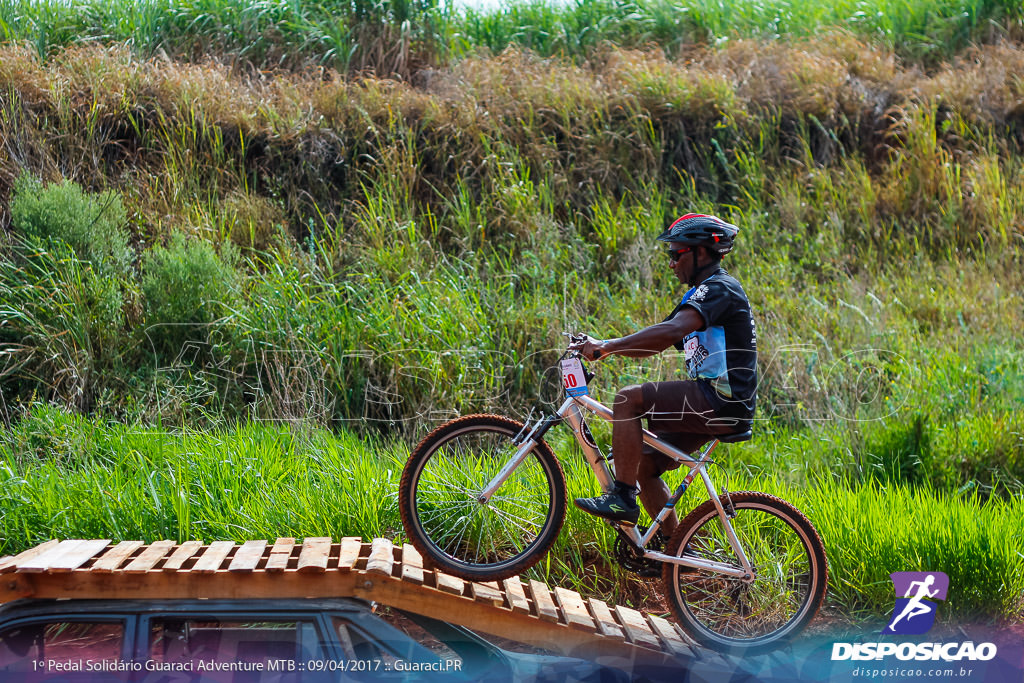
{"x": 33, "y": 607}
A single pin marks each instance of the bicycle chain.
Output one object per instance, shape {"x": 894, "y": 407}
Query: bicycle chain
{"x": 630, "y": 558}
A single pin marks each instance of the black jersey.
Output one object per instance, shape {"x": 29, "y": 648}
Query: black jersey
{"x": 722, "y": 356}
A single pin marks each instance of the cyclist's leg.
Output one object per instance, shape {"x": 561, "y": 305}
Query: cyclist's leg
{"x": 627, "y": 433}
{"x": 627, "y": 441}
{"x": 654, "y": 493}
{"x": 679, "y": 413}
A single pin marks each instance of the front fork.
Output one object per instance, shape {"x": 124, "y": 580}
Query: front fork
{"x": 570, "y": 412}
{"x": 526, "y": 445}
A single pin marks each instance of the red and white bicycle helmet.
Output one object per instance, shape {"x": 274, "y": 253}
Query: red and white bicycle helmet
{"x": 703, "y": 230}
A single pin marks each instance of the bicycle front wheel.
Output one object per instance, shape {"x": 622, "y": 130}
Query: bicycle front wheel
{"x": 445, "y": 521}
{"x": 790, "y": 568}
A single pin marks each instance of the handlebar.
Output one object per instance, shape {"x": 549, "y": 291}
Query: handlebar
{"x": 570, "y": 352}
{"x": 575, "y": 338}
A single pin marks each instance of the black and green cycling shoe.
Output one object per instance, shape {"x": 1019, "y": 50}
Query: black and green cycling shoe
{"x": 616, "y": 506}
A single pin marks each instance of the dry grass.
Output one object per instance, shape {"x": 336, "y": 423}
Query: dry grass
{"x": 811, "y": 101}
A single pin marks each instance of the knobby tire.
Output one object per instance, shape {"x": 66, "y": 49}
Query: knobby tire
{"x": 789, "y": 561}
{"x": 451, "y": 529}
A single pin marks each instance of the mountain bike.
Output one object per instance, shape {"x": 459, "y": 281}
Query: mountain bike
{"x": 483, "y": 497}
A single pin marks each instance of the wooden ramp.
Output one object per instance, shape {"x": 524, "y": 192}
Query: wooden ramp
{"x": 529, "y": 612}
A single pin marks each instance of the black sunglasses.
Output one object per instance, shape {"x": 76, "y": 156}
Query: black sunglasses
{"x": 674, "y": 254}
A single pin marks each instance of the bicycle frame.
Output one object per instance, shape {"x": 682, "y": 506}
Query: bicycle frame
{"x": 570, "y": 412}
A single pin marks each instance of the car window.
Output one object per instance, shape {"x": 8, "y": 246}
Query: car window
{"x": 376, "y": 658}
{"x": 60, "y": 647}
{"x": 258, "y": 650}
{"x": 420, "y": 635}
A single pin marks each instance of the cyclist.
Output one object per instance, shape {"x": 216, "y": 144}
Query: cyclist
{"x": 714, "y": 329}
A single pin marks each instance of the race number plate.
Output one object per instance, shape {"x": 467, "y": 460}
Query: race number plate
{"x": 573, "y": 379}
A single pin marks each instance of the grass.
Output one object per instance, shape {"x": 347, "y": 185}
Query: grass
{"x": 68, "y": 477}
{"x": 396, "y": 36}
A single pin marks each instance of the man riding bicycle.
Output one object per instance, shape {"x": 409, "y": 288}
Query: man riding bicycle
{"x": 714, "y": 328}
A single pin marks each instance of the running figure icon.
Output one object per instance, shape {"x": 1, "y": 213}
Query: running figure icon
{"x": 918, "y": 591}
{"x": 915, "y": 607}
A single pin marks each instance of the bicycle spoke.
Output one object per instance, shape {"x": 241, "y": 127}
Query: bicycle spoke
{"x": 461, "y": 534}
{"x": 728, "y": 607}
{"x": 449, "y": 482}
{"x": 508, "y": 520}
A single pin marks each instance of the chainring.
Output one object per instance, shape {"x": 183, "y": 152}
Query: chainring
{"x": 630, "y": 558}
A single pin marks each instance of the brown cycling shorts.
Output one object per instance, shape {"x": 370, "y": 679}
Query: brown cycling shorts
{"x": 680, "y": 413}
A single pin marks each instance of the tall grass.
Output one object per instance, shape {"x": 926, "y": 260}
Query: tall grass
{"x": 384, "y": 35}
{"x": 397, "y": 36}
{"x": 402, "y": 258}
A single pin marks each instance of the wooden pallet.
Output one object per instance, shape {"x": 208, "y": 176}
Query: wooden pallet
{"x": 529, "y": 612}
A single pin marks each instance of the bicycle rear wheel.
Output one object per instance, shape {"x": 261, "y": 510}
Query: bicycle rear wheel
{"x": 445, "y": 521}
{"x": 789, "y": 563}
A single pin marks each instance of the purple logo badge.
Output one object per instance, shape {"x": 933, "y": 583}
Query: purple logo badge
{"x": 915, "y": 612}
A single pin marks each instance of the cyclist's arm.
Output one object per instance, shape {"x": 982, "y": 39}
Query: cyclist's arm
{"x": 651, "y": 340}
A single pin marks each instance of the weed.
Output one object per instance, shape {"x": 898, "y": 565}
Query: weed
{"x": 188, "y": 288}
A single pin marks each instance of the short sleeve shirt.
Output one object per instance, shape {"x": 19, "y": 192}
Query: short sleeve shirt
{"x": 723, "y": 355}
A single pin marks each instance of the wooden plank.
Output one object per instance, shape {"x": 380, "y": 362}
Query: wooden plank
{"x": 665, "y": 630}
{"x": 113, "y": 558}
{"x": 314, "y": 553}
{"x": 181, "y": 555}
{"x": 382, "y": 557}
{"x": 412, "y": 565}
{"x": 9, "y": 564}
{"x": 504, "y": 623}
{"x": 82, "y": 554}
{"x": 516, "y": 597}
{"x": 448, "y": 583}
{"x": 351, "y": 546}
{"x": 487, "y": 593}
{"x": 637, "y": 630}
{"x": 280, "y": 554}
{"x": 40, "y": 561}
{"x": 65, "y": 556}
{"x": 248, "y": 556}
{"x": 148, "y": 558}
{"x": 543, "y": 602}
{"x": 17, "y": 586}
{"x": 606, "y": 624}
{"x": 211, "y": 560}
{"x": 574, "y": 609}
{"x": 686, "y": 638}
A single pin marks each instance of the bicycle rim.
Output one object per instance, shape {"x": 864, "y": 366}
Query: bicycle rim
{"x": 725, "y": 612}
{"x": 472, "y": 536}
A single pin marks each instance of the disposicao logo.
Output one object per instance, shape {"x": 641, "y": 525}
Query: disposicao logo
{"x": 914, "y": 614}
